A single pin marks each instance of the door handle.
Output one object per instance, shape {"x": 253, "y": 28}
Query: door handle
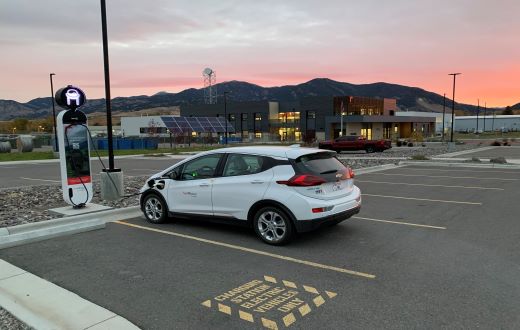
{"x": 204, "y": 185}
{"x": 257, "y": 182}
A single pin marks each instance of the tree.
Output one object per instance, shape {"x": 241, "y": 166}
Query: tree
{"x": 20, "y": 124}
{"x": 507, "y": 111}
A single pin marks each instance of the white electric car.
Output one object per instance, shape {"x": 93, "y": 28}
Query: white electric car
{"x": 276, "y": 190}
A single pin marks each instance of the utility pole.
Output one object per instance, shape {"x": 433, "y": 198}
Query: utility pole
{"x": 485, "y": 109}
{"x": 493, "y": 122}
{"x": 443, "y": 115}
{"x": 225, "y": 116}
{"x": 54, "y": 115}
{"x": 478, "y": 110}
{"x": 453, "y": 104}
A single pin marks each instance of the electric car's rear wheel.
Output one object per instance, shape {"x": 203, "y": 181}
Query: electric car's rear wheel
{"x": 272, "y": 225}
{"x": 154, "y": 209}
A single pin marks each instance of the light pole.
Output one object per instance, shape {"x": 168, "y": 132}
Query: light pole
{"x": 107, "y": 88}
{"x": 443, "y": 115}
{"x": 453, "y": 104}
{"x": 54, "y": 114}
{"x": 485, "y": 110}
{"x": 225, "y": 115}
{"x": 478, "y": 110}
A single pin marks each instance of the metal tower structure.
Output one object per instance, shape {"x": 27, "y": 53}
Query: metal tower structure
{"x": 210, "y": 91}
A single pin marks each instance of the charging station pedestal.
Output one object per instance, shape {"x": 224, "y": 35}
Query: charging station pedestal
{"x": 74, "y": 147}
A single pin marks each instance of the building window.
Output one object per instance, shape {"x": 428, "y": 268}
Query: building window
{"x": 366, "y": 130}
{"x": 258, "y": 116}
{"x": 231, "y": 117}
{"x": 258, "y": 135}
{"x": 311, "y": 114}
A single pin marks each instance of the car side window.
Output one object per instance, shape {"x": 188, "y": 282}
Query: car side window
{"x": 237, "y": 164}
{"x": 203, "y": 167}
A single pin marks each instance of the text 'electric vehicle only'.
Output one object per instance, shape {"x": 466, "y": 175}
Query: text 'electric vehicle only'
{"x": 276, "y": 190}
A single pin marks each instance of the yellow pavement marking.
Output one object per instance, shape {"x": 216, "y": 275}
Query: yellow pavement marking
{"x": 331, "y": 294}
{"x": 269, "y": 279}
{"x": 289, "y": 284}
{"x": 207, "y": 303}
{"x": 289, "y": 319}
{"x": 423, "y": 199}
{"x": 305, "y": 309}
{"x": 430, "y": 185}
{"x": 245, "y": 316}
{"x": 399, "y": 223}
{"x": 310, "y": 289}
{"x": 259, "y": 252}
{"x": 445, "y": 176}
{"x": 318, "y": 301}
{"x": 468, "y": 170}
{"x": 224, "y": 309}
{"x": 269, "y": 324}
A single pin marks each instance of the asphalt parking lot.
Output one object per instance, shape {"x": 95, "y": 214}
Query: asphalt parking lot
{"x": 432, "y": 248}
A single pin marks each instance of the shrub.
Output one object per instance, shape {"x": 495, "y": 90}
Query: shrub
{"x": 399, "y": 143}
{"x": 420, "y": 157}
{"x": 498, "y": 160}
{"x": 496, "y": 144}
{"x": 475, "y": 159}
{"x": 410, "y": 144}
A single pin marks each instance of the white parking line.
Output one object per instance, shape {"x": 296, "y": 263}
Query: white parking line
{"x": 423, "y": 199}
{"x": 399, "y": 223}
{"x": 446, "y": 176}
{"x": 429, "y": 185}
{"x": 39, "y": 179}
{"x": 244, "y": 249}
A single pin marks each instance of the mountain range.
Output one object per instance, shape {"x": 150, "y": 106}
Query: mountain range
{"x": 408, "y": 98}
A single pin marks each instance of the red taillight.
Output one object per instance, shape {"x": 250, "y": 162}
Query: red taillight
{"x": 318, "y": 210}
{"x": 347, "y": 174}
{"x": 303, "y": 180}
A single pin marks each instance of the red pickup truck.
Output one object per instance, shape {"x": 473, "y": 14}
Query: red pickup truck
{"x": 352, "y": 142}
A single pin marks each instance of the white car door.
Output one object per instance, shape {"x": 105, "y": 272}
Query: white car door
{"x": 191, "y": 192}
{"x": 244, "y": 181}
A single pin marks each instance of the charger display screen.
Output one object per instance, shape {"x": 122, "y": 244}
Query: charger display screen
{"x": 77, "y": 155}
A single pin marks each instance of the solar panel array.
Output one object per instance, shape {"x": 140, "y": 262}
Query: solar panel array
{"x": 180, "y": 125}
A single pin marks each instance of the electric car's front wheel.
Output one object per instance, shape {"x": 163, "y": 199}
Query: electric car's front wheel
{"x": 155, "y": 209}
{"x": 272, "y": 225}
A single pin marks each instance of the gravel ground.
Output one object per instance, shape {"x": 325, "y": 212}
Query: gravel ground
{"x": 428, "y": 151}
{"x": 9, "y": 322}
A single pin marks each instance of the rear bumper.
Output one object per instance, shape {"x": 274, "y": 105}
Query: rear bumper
{"x": 308, "y": 225}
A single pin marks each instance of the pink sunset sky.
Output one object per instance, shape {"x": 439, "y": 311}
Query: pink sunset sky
{"x": 163, "y": 45}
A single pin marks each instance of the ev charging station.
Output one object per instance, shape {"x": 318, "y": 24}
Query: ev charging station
{"x": 74, "y": 147}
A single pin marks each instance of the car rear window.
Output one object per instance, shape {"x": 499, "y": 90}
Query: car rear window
{"x": 323, "y": 164}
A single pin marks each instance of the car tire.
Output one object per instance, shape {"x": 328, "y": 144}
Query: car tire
{"x": 155, "y": 209}
{"x": 369, "y": 149}
{"x": 273, "y": 225}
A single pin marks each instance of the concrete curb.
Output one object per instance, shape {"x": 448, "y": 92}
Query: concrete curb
{"x": 366, "y": 170}
{"x": 459, "y": 164}
{"x": 43, "y": 305}
{"x": 39, "y": 231}
{"x": 464, "y": 152}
